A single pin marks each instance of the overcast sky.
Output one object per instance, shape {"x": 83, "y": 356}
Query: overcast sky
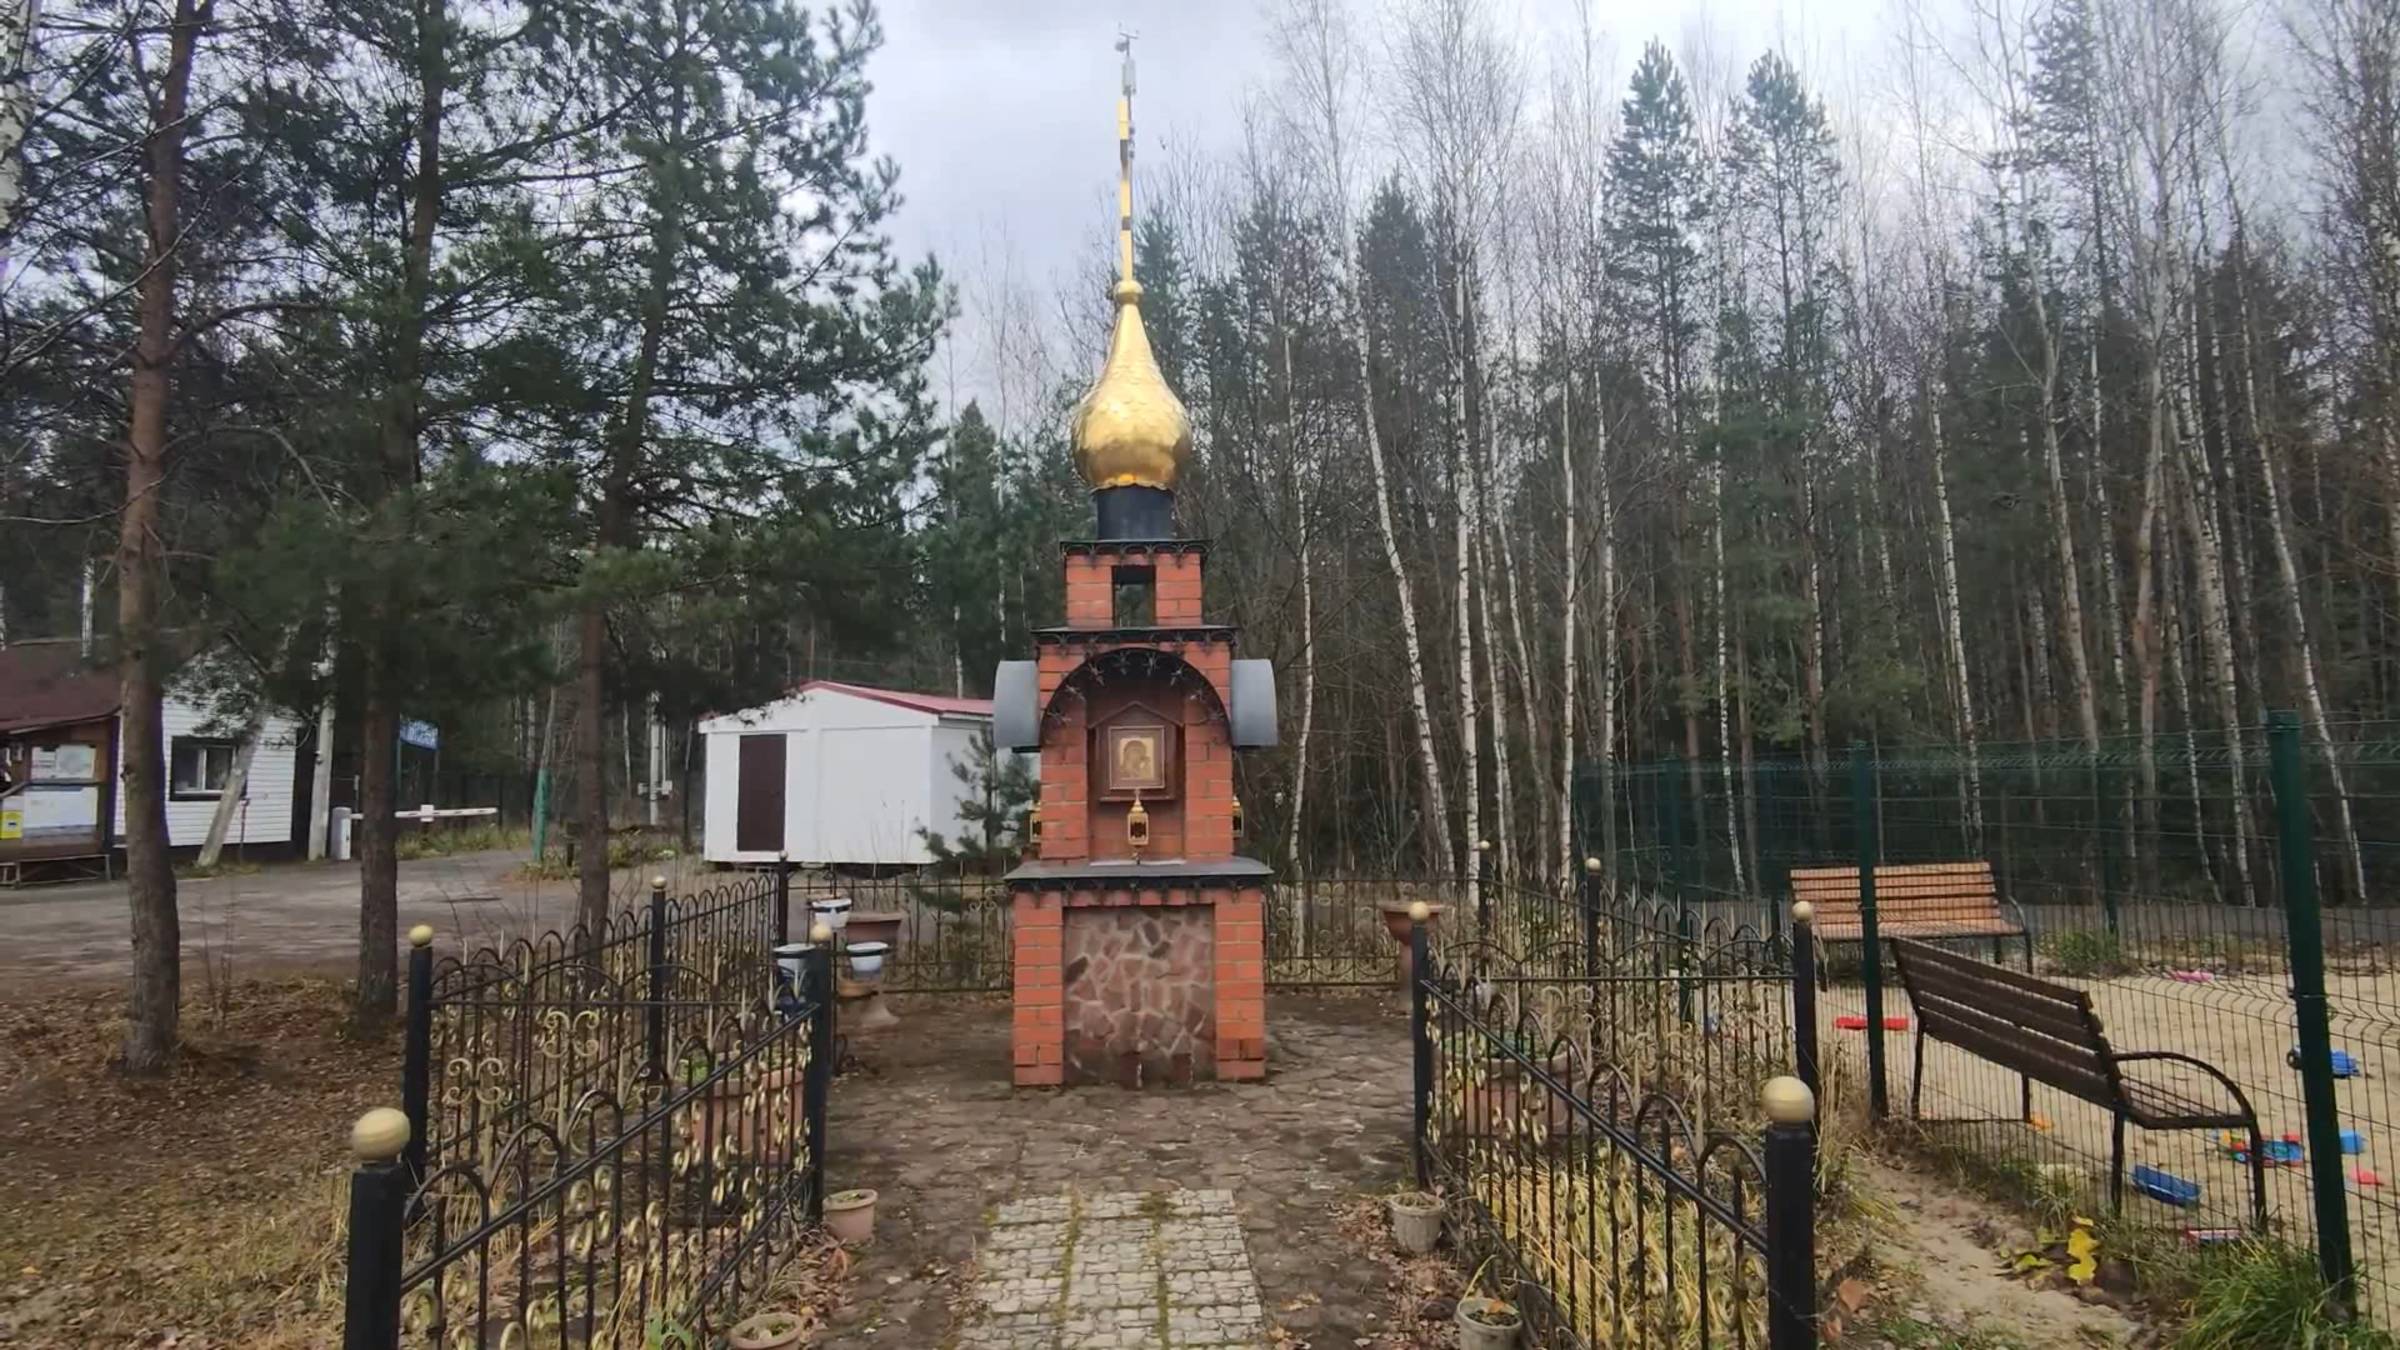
{"x": 1000, "y": 112}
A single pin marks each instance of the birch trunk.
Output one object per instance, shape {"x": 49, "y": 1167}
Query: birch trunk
{"x": 1308, "y": 628}
{"x": 1463, "y": 539}
{"x": 2287, "y": 570}
{"x": 2216, "y": 622}
{"x": 229, "y": 801}
{"x": 1954, "y": 620}
{"x": 1567, "y": 866}
{"x": 1716, "y": 547}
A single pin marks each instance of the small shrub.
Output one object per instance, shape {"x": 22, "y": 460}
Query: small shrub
{"x": 2083, "y": 954}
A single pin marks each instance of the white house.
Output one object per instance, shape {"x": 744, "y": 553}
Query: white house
{"x": 62, "y": 758}
{"x": 838, "y": 774}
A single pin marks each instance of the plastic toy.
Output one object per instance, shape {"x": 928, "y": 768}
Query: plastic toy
{"x": 2344, "y": 1066}
{"x": 2210, "y": 1237}
{"x": 2166, "y": 1187}
{"x": 2365, "y": 1176}
{"x": 2353, "y": 1142}
{"x": 2040, "y": 1122}
{"x": 2193, "y": 976}
{"x": 1853, "y": 1022}
{"x": 2286, "y": 1152}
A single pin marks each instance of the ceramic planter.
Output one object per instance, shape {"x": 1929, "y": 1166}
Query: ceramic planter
{"x": 866, "y": 959}
{"x": 1416, "y": 1221}
{"x": 833, "y": 911}
{"x": 1397, "y": 923}
{"x": 850, "y": 1216}
{"x": 1487, "y": 1324}
{"x": 767, "y": 1331}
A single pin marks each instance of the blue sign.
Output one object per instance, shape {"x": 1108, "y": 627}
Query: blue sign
{"x": 423, "y": 735}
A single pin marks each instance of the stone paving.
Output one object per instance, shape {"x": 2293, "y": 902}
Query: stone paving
{"x": 1153, "y": 1270}
{"x": 930, "y": 1121}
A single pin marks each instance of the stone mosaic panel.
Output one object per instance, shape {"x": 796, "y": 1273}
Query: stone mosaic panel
{"x": 1140, "y": 994}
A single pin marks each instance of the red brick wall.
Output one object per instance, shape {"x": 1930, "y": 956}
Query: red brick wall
{"x": 1238, "y": 981}
{"x": 1091, "y": 587}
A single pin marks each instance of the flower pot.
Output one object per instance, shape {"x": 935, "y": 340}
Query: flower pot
{"x": 741, "y": 1112}
{"x": 1487, "y": 1324}
{"x": 833, "y": 911}
{"x": 767, "y": 1331}
{"x": 1397, "y": 922}
{"x": 850, "y": 1215}
{"x": 1416, "y": 1221}
{"x": 866, "y": 958}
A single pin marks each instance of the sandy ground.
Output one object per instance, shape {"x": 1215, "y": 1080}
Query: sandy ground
{"x": 299, "y": 916}
{"x": 2241, "y": 1024}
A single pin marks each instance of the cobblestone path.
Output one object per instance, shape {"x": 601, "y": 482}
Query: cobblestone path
{"x": 1128, "y": 1270}
{"x": 930, "y": 1121}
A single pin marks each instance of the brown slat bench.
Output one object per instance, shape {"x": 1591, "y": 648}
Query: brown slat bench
{"x": 1914, "y": 900}
{"x": 2048, "y": 1033}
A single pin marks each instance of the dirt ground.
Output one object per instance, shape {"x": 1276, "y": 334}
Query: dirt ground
{"x": 288, "y": 917}
{"x": 2241, "y": 1024}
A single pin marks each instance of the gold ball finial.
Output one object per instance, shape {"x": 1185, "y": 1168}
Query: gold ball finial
{"x": 658, "y": 882}
{"x": 1419, "y": 911}
{"x": 421, "y": 935}
{"x": 820, "y": 933}
{"x": 1483, "y": 846}
{"x": 379, "y": 1135}
{"x": 1591, "y": 865}
{"x": 1803, "y": 912}
{"x": 1788, "y": 1101}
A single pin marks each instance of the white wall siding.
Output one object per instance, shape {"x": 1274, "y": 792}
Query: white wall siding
{"x": 264, "y": 816}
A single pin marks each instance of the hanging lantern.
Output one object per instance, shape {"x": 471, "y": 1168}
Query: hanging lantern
{"x": 1137, "y": 828}
{"x": 1237, "y": 817}
{"x": 1033, "y": 825}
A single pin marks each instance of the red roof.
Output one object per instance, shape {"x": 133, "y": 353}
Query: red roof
{"x": 47, "y": 684}
{"x": 938, "y": 704}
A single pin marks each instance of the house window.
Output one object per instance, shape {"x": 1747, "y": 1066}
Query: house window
{"x": 198, "y": 767}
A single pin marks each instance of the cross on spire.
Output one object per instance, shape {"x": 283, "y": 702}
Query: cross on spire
{"x": 1125, "y": 163}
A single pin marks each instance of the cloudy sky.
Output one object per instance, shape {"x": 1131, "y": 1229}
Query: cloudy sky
{"x": 1000, "y": 112}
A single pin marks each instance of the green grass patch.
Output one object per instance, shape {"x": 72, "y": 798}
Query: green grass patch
{"x": 2267, "y": 1296}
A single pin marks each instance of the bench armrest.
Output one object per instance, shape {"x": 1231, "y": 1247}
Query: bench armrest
{"x": 2023, "y": 920}
{"x": 2240, "y": 1098}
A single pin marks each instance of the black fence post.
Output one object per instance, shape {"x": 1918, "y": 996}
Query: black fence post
{"x": 1862, "y": 829}
{"x": 817, "y": 1090}
{"x": 660, "y": 978}
{"x": 416, "y": 1065}
{"x": 379, "y": 1189}
{"x": 1671, "y": 827}
{"x": 2304, "y": 924}
{"x": 1804, "y": 995}
{"x": 783, "y": 898}
{"x": 1590, "y": 889}
{"x": 1420, "y": 1041}
{"x": 1791, "y": 1167}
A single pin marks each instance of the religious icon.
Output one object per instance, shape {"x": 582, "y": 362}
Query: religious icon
{"x": 1136, "y": 759}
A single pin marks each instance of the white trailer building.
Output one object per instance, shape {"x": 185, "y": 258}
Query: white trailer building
{"x": 838, "y": 774}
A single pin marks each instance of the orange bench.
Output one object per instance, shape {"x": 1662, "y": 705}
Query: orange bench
{"x": 1927, "y": 901}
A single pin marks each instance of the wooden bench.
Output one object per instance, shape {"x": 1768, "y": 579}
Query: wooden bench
{"x": 1914, "y": 900}
{"x": 2048, "y": 1033}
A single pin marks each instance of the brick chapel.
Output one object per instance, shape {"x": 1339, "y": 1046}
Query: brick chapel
{"x": 1140, "y": 943}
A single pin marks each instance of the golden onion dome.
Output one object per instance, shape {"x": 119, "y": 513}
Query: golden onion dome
{"x": 1131, "y": 430}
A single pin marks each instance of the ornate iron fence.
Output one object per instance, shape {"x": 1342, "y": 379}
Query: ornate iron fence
{"x": 1582, "y": 1132}
{"x": 608, "y": 1136}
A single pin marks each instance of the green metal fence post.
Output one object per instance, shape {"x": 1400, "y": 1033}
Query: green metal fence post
{"x": 1862, "y": 831}
{"x": 1671, "y": 825}
{"x": 2305, "y": 934}
{"x": 2104, "y": 804}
